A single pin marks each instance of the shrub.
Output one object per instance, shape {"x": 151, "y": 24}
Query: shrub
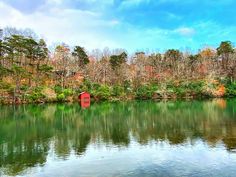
{"x": 67, "y": 92}
{"x": 117, "y": 91}
{"x": 196, "y": 87}
{"x": 50, "y": 94}
{"x": 192, "y": 88}
{"x": 145, "y": 91}
{"x": 127, "y": 86}
{"x": 36, "y": 95}
{"x": 58, "y": 89}
{"x": 4, "y": 85}
{"x": 102, "y": 93}
{"x": 24, "y": 88}
{"x": 213, "y": 88}
{"x": 231, "y": 89}
{"x": 61, "y": 97}
{"x": 62, "y": 94}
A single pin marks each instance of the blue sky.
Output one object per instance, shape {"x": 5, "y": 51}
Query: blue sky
{"x": 131, "y": 24}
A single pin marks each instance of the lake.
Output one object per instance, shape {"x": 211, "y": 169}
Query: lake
{"x": 130, "y": 139}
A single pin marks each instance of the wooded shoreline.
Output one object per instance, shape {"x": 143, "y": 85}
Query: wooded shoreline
{"x": 31, "y": 73}
{"x": 144, "y": 93}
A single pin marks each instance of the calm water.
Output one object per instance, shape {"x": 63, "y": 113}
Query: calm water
{"x": 195, "y": 138}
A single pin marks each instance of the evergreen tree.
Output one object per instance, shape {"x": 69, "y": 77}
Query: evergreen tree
{"x": 117, "y": 60}
{"x": 80, "y": 56}
{"x": 224, "y": 50}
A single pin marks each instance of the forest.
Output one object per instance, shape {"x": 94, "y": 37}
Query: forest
{"x": 32, "y": 72}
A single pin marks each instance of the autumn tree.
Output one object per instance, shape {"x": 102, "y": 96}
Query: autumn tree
{"x": 155, "y": 63}
{"x": 139, "y": 62}
{"x": 99, "y": 69}
{"x": 173, "y": 55}
{"x": 173, "y": 59}
{"x": 62, "y": 62}
{"x": 208, "y": 53}
{"x": 193, "y": 63}
{"x": 104, "y": 70}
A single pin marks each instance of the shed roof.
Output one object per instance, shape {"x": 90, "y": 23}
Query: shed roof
{"x": 83, "y": 93}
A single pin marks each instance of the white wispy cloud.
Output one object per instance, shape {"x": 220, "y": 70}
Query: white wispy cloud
{"x": 72, "y": 26}
{"x": 91, "y": 28}
{"x": 185, "y": 31}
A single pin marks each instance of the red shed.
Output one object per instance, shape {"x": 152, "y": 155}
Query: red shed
{"x": 84, "y": 98}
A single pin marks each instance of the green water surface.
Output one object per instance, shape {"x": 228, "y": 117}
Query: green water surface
{"x": 179, "y": 138}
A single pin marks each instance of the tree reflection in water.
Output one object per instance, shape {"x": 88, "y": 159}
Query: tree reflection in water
{"x": 27, "y": 133}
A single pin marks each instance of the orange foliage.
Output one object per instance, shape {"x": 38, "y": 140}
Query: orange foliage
{"x": 220, "y": 91}
{"x": 207, "y": 53}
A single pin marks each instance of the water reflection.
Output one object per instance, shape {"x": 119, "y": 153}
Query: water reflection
{"x": 29, "y": 133}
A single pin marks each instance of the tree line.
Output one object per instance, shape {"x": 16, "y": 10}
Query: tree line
{"x": 29, "y": 71}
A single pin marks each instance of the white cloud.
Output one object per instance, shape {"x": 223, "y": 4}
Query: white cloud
{"x": 93, "y": 29}
{"x": 185, "y": 31}
{"x": 72, "y": 26}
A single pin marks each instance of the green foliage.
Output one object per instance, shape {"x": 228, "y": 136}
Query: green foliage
{"x": 18, "y": 70}
{"x": 184, "y": 89}
{"x": 225, "y": 47}
{"x": 24, "y": 88}
{"x": 62, "y": 94}
{"x": 42, "y": 50}
{"x": 173, "y": 55}
{"x": 196, "y": 87}
{"x": 127, "y": 87}
{"x": 154, "y": 59}
{"x": 145, "y": 91}
{"x": 180, "y": 91}
{"x": 58, "y": 89}
{"x": 45, "y": 68}
{"x": 87, "y": 86}
{"x": 3, "y": 71}
{"x": 102, "y": 93}
{"x": 61, "y": 97}
{"x": 36, "y": 95}
{"x": 231, "y": 89}
{"x": 117, "y": 91}
{"x": 67, "y": 92}
{"x": 193, "y": 59}
{"x": 4, "y": 85}
{"x": 117, "y": 60}
{"x": 81, "y": 56}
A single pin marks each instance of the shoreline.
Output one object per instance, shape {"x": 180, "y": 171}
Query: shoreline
{"x": 115, "y": 99}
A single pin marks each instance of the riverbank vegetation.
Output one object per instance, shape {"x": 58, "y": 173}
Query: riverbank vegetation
{"x": 31, "y": 73}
